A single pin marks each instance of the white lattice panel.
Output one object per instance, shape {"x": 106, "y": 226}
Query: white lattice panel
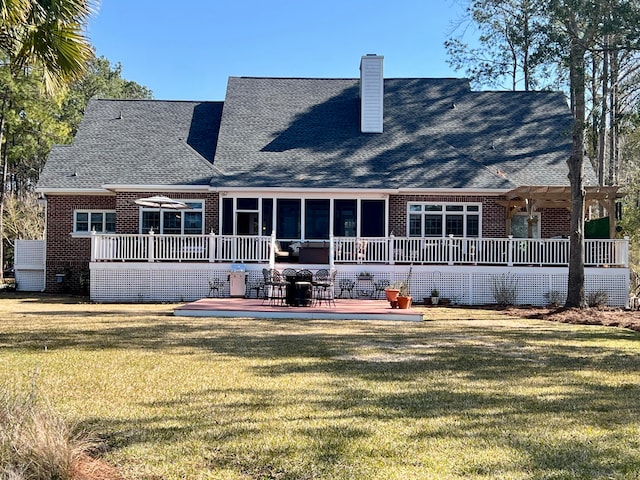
{"x": 30, "y": 280}
{"x": 29, "y": 265}
{"x": 29, "y": 254}
{"x": 466, "y": 285}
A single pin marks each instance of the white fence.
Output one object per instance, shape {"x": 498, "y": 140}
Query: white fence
{"x": 351, "y": 250}
{"x": 29, "y": 258}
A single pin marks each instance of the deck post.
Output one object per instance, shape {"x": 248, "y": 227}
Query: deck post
{"x": 332, "y": 250}
{"x": 151, "y": 250}
{"x": 392, "y": 249}
{"x": 212, "y": 246}
{"x": 450, "y": 240}
{"x": 94, "y": 244}
{"x": 510, "y": 251}
{"x": 272, "y": 251}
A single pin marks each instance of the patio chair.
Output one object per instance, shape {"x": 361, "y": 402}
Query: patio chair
{"x": 280, "y": 254}
{"x": 215, "y": 285}
{"x": 347, "y": 285}
{"x": 275, "y": 286}
{"x": 257, "y": 286}
{"x": 380, "y": 286}
{"x": 324, "y": 287}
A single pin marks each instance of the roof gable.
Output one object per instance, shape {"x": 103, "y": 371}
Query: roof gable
{"x": 138, "y": 142}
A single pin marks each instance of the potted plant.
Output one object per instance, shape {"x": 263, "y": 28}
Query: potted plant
{"x": 435, "y": 296}
{"x": 404, "y": 297}
{"x": 392, "y": 292}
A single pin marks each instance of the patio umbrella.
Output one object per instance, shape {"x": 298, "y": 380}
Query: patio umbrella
{"x": 160, "y": 201}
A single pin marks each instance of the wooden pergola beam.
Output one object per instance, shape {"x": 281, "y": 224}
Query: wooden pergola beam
{"x": 560, "y": 197}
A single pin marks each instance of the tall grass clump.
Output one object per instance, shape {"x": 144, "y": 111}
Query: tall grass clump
{"x": 35, "y": 442}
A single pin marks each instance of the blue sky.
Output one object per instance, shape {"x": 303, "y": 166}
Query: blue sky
{"x": 186, "y": 50}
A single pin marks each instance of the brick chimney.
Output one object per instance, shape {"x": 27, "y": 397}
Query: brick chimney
{"x": 371, "y": 93}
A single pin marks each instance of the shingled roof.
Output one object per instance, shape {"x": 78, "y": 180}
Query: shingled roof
{"x": 137, "y": 142}
{"x": 437, "y": 134}
{"x": 304, "y": 133}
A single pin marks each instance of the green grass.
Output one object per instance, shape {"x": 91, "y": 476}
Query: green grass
{"x": 468, "y": 394}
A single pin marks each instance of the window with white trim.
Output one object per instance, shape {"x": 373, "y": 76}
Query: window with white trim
{"x": 100, "y": 221}
{"x": 169, "y": 221}
{"x": 427, "y": 219}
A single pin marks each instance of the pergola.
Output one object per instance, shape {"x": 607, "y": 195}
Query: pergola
{"x": 533, "y": 198}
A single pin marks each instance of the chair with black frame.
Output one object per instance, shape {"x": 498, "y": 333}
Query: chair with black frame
{"x": 258, "y": 286}
{"x": 380, "y": 286}
{"x": 274, "y": 286}
{"x": 346, "y": 285}
{"x": 321, "y": 276}
{"x": 215, "y": 285}
{"x": 324, "y": 288}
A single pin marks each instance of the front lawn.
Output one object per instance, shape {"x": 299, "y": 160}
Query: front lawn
{"x": 469, "y": 394}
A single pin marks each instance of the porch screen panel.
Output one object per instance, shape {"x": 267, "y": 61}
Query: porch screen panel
{"x": 267, "y": 216}
{"x": 316, "y": 217}
{"x": 372, "y": 223}
{"x": 345, "y": 218}
{"x": 247, "y": 216}
{"x": 288, "y": 218}
{"x": 227, "y": 216}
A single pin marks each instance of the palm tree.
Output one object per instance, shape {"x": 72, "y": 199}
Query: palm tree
{"x": 44, "y": 37}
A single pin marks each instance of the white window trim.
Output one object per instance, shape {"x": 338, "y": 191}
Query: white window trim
{"x": 443, "y": 212}
{"x": 76, "y": 233}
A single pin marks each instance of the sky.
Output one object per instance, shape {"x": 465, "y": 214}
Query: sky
{"x": 187, "y": 50}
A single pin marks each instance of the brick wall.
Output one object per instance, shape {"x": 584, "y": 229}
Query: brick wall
{"x": 71, "y": 254}
{"x": 554, "y": 222}
{"x": 67, "y": 253}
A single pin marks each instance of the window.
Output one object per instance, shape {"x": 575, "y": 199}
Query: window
{"x": 86, "y": 221}
{"x": 187, "y": 222}
{"x": 520, "y": 225}
{"x": 441, "y": 219}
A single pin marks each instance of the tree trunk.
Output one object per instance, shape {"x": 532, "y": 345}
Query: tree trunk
{"x": 603, "y": 116}
{"x": 3, "y": 186}
{"x": 614, "y": 111}
{"x": 575, "y": 287}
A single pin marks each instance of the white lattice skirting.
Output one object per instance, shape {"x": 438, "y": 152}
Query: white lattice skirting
{"x": 465, "y": 285}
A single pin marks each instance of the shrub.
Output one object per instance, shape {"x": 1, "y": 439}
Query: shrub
{"x": 597, "y": 298}
{"x": 554, "y": 298}
{"x": 505, "y": 289}
{"x": 35, "y": 442}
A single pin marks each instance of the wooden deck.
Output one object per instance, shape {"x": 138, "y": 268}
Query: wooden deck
{"x": 345, "y": 309}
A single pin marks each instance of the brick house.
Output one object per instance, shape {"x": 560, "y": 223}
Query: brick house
{"x": 423, "y": 172}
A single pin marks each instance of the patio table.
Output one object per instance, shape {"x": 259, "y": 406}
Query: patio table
{"x": 299, "y": 288}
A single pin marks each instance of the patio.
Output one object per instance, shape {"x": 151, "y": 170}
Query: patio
{"x": 345, "y": 309}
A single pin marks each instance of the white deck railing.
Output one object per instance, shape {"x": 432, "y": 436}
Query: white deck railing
{"x": 353, "y": 250}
